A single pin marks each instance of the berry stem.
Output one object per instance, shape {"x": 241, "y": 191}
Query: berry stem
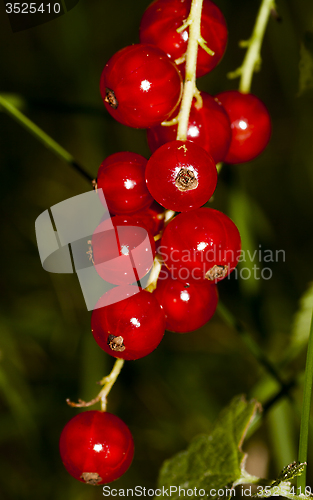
{"x": 44, "y": 138}
{"x": 107, "y": 383}
{"x": 154, "y": 275}
{"x": 157, "y": 264}
{"x": 168, "y": 216}
{"x": 194, "y": 22}
{"x": 306, "y": 407}
{"x": 252, "y": 59}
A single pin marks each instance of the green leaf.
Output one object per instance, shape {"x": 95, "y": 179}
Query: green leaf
{"x": 306, "y": 64}
{"x": 214, "y": 461}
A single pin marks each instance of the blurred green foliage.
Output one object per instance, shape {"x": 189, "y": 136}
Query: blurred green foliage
{"x": 47, "y": 352}
{"x": 212, "y": 461}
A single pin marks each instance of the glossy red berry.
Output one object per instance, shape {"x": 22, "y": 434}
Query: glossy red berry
{"x": 159, "y": 26}
{"x": 187, "y": 306}
{"x": 201, "y": 244}
{"x": 208, "y": 127}
{"x": 121, "y": 177}
{"x": 123, "y": 249}
{"x": 250, "y": 124}
{"x": 140, "y": 86}
{"x": 96, "y": 447}
{"x": 181, "y": 175}
{"x": 152, "y": 218}
{"x": 129, "y": 328}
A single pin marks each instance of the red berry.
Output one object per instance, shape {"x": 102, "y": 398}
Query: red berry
{"x": 250, "y": 124}
{"x": 123, "y": 250}
{"x": 96, "y": 447}
{"x": 208, "y": 126}
{"x": 152, "y": 218}
{"x": 181, "y": 175}
{"x": 161, "y": 20}
{"x": 129, "y": 328}
{"x": 201, "y": 244}
{"x": 187, "y": 306}
{"x": 140, "y": 86}
{"x": 121, "y": 177}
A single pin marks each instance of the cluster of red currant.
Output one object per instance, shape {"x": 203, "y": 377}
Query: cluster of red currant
{"x": 142, "y": 87}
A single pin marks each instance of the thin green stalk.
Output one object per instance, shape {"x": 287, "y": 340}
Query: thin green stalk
{"x": 252, "y": 59}
{"x": 306, "y": 407}
{"x": 107, "y": 383}
{"x": 44, "y": 138}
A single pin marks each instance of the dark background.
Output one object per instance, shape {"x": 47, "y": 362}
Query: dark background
{"x": 47, "y": 353}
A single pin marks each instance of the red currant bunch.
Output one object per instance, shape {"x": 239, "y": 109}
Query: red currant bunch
{"x": 161, "y": 199}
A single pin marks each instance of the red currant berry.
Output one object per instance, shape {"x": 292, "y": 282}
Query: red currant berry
{"x": 250, "y": 124}
{"x": 187, "y": 306}
{"x": 96, "y": 447}
{"x": 208, "y": 126}
{"x": 152, "y": 218}
{"x": 121, "y": 177}
{"x": 129, "y": 328}
{"x": 201, "y": 244}
{"x": 123, "y": 250}
{"x": 140, "y": 86}
{"x": 181, "y": 175}
{"x": 159, "y": 27}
